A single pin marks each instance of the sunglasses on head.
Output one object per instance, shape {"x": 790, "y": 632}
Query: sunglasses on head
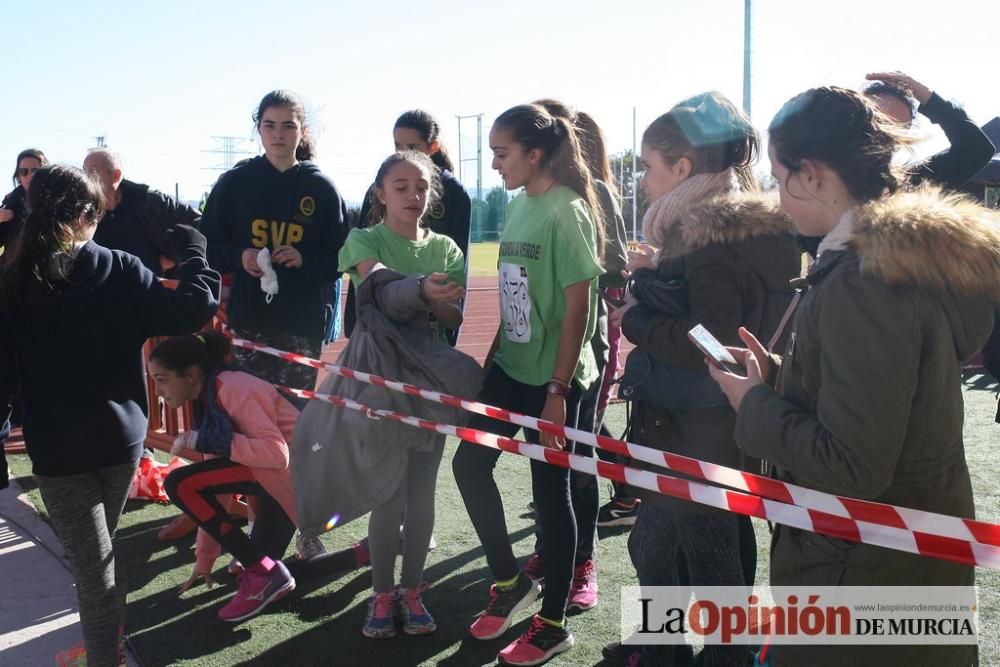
{"x": 25, "y": 171}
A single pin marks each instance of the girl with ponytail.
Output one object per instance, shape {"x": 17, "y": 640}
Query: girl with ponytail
{"x": 540, "y": 364}
{"x": 867, "y": 400}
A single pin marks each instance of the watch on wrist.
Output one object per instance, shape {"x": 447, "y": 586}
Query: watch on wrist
{"x": 420, "y": 288}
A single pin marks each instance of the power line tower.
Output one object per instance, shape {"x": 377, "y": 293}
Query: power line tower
{"x": 473, "y": 160}
{"x": 231, "y": 149}
{"x": 101, "y": 141}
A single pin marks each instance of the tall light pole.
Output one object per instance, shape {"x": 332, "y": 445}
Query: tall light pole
{"x": 747, "y": 13}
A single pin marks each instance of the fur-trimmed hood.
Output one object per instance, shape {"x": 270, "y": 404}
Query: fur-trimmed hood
{"x": 926, "y": 238}
{"x": 727, "y": 220}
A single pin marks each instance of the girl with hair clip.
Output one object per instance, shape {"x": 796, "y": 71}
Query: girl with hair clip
{"x": 451, "y": 213}
{"x": 725, "y": 255}
{"x": 282, "y": 203}
{"x": 15, "y": 207}
{"x": 584, "y": 488}
{"x": 866, "y": 401}
{"x": 540, "y": 363}
{"x": 406, "y": 189}
{"x": 73, "y": 319}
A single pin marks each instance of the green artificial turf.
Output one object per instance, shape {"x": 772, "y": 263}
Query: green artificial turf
{"x": 320, "y": 624}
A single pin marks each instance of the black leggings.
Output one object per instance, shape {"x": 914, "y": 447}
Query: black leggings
{"x": 193, "y": 488}
{"x": 473, "y": 466}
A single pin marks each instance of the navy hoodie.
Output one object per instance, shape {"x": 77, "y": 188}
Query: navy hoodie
{"x": 79, "y": 359}
{"x": 256, "y": 206}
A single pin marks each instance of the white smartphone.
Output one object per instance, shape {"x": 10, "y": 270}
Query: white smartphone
{"x": 715, "y": 351}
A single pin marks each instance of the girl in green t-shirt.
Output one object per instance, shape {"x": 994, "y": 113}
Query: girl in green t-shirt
{"x": 405, "y": 186}
{"x": 539, "y": 364}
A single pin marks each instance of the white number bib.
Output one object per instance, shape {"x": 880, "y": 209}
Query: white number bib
{"x": 515, "y": 304}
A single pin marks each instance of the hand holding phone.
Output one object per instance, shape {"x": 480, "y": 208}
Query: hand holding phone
{"x": 715, "y": 351}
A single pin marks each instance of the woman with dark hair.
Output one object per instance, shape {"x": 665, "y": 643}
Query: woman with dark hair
{"x": 15, "y": 208}
{"x": 866, "y": 401}
{"x": 450, "y": 215}
{"x": 540, "y": 363}
{"x": 73, "y": 319}
{"x": 278, "y": 204}
{"x": 279, "y": 213}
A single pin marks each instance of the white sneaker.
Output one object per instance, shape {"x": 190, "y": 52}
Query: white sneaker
{"x": 308, "y": 548}
{"x": 402, "y": 536}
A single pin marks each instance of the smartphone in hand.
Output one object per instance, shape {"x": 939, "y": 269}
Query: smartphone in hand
{"x": 715, "y": 351}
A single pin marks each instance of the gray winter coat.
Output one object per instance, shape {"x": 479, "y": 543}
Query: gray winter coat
{"x": 344, "y": 463}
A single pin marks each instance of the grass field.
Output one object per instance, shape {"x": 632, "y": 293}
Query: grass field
{"x": 320, "y": 623}
{"x": 483, "y": 259}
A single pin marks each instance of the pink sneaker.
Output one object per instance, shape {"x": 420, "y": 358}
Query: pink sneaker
{"x": 502, "y": 606}
{"x": 534, "y": 569}
{"x": 258, "y": 588}
{"x": 583, "y": 590}
{"x": 537, "y": 645}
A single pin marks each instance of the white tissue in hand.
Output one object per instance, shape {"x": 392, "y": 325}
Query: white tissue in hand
{"x": 268, "y": 281}
{"x": 184, "y": 441}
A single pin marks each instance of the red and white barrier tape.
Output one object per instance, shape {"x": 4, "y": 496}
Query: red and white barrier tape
{"x": 815, "y": 521}
{"x": 889, "y": 517}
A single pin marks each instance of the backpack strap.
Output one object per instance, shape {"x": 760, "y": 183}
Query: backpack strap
{"x": 785, "y": 319}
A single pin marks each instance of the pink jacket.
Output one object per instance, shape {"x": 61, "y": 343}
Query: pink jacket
{"x": 263, "y": 422}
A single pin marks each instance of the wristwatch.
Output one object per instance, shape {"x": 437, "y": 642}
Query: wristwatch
{"x": 420, "y": 288}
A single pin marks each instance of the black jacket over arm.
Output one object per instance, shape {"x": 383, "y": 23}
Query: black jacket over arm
{"x": 969, "y": 152}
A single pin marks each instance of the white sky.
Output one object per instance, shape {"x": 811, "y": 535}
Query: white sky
{"x": 159, "y": 79}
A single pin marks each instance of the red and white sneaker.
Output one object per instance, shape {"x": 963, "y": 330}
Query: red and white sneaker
{"x": 583, "y": 592}
{"x": 537, "y": 645}
{"x": 502, "y": 606}
{"x": 258, "y": 588}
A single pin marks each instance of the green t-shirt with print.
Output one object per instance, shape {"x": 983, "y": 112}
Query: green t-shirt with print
{"x": 548, "y": 244}
{"x": 435, "y": 253}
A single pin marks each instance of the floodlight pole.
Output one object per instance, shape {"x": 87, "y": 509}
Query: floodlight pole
{"x": 747, "y": 26}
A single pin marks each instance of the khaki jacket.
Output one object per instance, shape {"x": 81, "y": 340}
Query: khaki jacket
{"x": 868, "y": 400}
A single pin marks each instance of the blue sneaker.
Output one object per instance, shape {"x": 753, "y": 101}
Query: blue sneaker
{"x": 379, "y": 623}
{"x": 414, "y": 615}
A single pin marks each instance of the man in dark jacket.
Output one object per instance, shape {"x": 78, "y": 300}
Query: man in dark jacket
{"x": 137, "y": 217}
{"x": 900, "y": 97}
{"x": 896, "y": 95}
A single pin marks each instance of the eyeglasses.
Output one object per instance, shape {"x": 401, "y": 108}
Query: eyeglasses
{"x": 26, "y": 171}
